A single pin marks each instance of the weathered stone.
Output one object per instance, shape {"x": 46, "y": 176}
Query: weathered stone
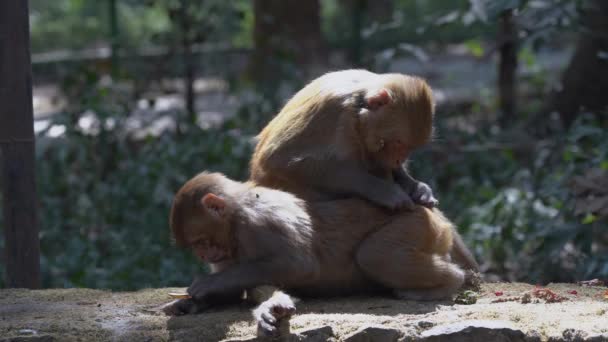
{"x": 574, "y": 335}
{"x": 93, "y": 315}
{"x": 374, "y": 334}
{"x": 571, "y": 335}
{"x": 321, "y": 334}
{"x": 473, "y": 331}
{"x": 425, "y": 324}
{"x": 31, "y": 338}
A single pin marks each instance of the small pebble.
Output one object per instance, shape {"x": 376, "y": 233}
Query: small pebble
{"x": 27, "y": 332}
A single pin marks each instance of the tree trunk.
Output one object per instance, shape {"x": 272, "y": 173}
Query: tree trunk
{"x": 381, "y": 11}
{"x": 113, "y": 14}
{"x": 507, "y": 67}
{"x": 22, "y": 246}
{"x": 358, "y": 8}
{"x": 286, "y": 31}
{"x": 585, "y": 80}
{"x": 185, "y": 21}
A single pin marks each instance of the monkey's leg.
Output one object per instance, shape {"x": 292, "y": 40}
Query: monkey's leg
{"x": 409, "y": 255}
{"x": 274, "y": 312}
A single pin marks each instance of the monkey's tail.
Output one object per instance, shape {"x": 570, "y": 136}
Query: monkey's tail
{"x": 461, "y": 255}
{"x": 448, "y": 241}
{"x": 442, "y": 232}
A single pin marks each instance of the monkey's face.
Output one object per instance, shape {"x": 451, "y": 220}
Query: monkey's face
{"x": 207, "y": 232}
{"x": 392, "y": 135}
{"x": 399, "y": 119}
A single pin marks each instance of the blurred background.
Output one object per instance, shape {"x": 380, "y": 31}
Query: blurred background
{"x": 133, "y": 97}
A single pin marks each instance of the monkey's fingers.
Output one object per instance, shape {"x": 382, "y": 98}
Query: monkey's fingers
{"x": 423, "y": 195}
{"x": 266, "y": 329}
{"x": 283, "y": 311}
{"x": 176, "y": 308}
{"x": 199, "y": 288}
{"x": 269, "y": 318}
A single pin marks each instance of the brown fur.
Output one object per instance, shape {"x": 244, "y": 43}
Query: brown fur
{"x": 328, "y": 122}
{"x": 323, "y": 145}
{"x": 334, "y": 247}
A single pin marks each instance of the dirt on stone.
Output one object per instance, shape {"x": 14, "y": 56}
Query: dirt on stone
{"x": 95, "y": 315}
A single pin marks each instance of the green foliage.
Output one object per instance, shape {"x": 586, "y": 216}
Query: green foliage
{"x": 517, "y": 209}
{"x": 77, "y": 24}
{"x": 105, "y": 198}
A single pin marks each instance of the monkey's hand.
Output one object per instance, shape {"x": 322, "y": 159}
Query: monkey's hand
{"x": 183, "y": 307}
{"x": 200, "y": 288}
{"x": 273, "y": 315}
{"x": 390, "y": 195}
{"x": 423, "y": 194}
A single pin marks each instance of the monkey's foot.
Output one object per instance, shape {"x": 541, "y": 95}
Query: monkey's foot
{"x": 273, "y": 315}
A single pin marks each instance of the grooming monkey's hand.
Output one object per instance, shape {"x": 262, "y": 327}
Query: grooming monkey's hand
{"x": 391, "y": 196}
{"x": 423, "y": 194}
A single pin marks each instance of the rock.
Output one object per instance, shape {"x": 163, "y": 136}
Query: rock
{"x": 32, "y": 338}
{"x": 321, "y": 334}
{"x": 425, "y": 324}
{"x": 474, "y": 330}
{"x": 374, "y": 334}
{"x": 574, "y": 335}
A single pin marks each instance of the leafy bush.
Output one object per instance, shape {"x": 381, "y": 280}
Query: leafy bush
{"x": 517, "y": 209}
{"x": 105, "y": 202}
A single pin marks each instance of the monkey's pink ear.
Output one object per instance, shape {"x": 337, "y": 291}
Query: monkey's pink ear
{"x": 214, "y": 204}
{"x": 378, "y": 99}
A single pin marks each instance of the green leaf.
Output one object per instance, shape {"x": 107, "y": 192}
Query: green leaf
{"x": 474, "y": 47}
{"x": 589, "y": 218}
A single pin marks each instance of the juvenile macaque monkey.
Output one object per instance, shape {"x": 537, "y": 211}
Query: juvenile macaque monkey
{"x": 254, "y": 236}
{"x": 348, "y": 133}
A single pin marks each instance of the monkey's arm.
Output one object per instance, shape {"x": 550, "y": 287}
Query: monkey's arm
{"x": 419, "y": 191}
{"x": 191, "y": 306}
{"x": 276, "y": 270}
{"x": 340, "y": 177}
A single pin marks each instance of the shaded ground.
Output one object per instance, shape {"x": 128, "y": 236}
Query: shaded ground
{"x": 93, "y": 315}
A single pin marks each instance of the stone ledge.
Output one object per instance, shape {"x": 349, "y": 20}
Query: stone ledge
{"x": 94, "y": 315}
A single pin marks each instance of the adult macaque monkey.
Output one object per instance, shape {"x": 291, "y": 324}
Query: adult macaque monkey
{"x": 348, "y": 133}
{"x": 255, "y": 236}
